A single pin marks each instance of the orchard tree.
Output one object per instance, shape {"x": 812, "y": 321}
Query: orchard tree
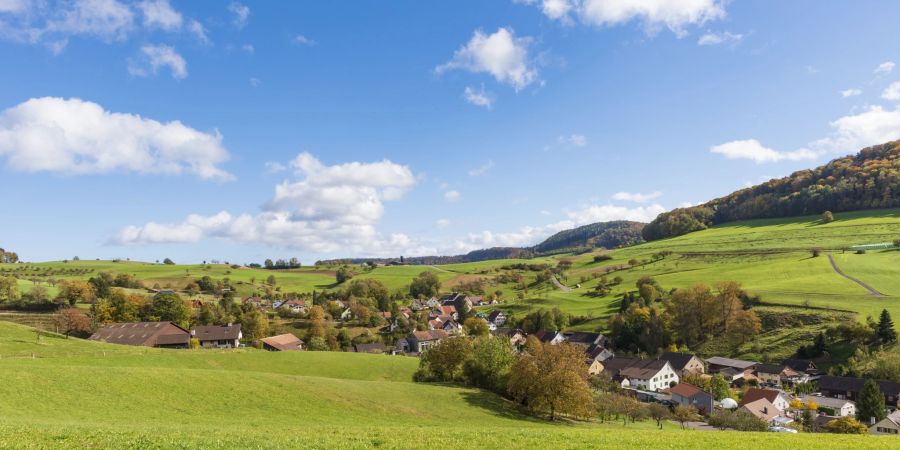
{"x": 552, "y": 380}
{"x": 444, "y": 361}
{"x": 425, "y": 285}
{"x": 72, "y": 321}
{"x": 74, "y": 291}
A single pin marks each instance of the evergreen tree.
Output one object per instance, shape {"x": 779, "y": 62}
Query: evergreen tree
{"x": 870, "y": 403}
{"x": 886, "y": 332}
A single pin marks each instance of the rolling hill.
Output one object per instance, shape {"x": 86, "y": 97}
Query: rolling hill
{"x": 78, "y": 394}
{"x": 868, "y": 180}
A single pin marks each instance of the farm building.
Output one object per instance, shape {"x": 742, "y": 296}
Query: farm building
{"x": 144, "y": 334}
{"x": 282, "y": 343}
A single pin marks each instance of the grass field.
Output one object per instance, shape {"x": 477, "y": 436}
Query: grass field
{"x": 80, "y": 394}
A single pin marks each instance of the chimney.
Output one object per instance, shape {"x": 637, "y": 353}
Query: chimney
{"x": 765, "y": 409}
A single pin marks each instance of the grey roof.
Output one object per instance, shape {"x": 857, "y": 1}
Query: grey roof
{"x": 678, "y": 361}
{"x": 217, "y": 332}
{"x": 826, "y": 401}
{"x": 148, "y": 334}
{"x": 728, "y": 362}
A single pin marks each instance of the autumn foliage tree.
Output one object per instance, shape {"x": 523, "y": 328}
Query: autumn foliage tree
{"x": 72, "y": 321}
{"x": 553, "y": 380}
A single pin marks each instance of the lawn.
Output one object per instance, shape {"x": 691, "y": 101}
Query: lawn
{"x": 79, "y": 394}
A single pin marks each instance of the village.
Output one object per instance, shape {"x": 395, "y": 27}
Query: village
{"x": 782, "y": 395}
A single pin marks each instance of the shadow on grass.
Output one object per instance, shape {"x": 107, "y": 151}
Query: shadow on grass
{"x": 501, "y": 407}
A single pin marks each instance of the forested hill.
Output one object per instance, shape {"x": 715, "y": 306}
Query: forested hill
{"x": 613, "y": 234}
{"x": 867, "y": 180}
{"x": 602, "y": 234}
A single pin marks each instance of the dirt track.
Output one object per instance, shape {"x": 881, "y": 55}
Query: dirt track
{"x": 838, "y": 271}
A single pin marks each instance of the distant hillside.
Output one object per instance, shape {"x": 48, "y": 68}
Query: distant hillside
{"x": 601, "y": 234}
{"x": 867, "y": 180}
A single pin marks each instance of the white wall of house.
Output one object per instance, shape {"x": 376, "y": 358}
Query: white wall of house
{"x": 662, "y": 380}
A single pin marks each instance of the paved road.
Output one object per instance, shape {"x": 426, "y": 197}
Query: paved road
{"x": 838, "y": 271}
{"x": 561, "y": 286}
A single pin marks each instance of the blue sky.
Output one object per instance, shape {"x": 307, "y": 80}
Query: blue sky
{"x": 243, "y": 130}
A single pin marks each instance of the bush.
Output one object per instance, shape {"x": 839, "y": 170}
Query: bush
{"x": 195, "y": 343}
{"x": 601, "y": 258}
{"x": 737, "y": 420}
{"x": 846, "y": 425}
{"x": 861, "y": 251}
{"x": 827, "y": 217}
{"x": 816, "y": 252}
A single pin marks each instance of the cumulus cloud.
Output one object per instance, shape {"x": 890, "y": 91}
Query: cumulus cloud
{"x": 636, "y": 196}
{"x": 500, "y": 54}
{"x": 452, "y": 196}
{"x": 884, "y": 68}
{"x": 675, "y": 15}
{"x": 107, "y": 19}
{"x": 478, "y": 97}
{"x": 76, "y": 137}
{"x": 720, "y": 38}
{"x": 160, "y": 14}
{"x": 481, "y": 170}
{"x": 241, "y": 14}
{"x": 892, "y": 92}
{"x": 326, "y": 209}
{"x": 751, "y": 149}
{"x": 198, "y": 30}
{"x": 874, "y": 125}
{"x": 852, "y": 92}
{"x": 155, "y": 57}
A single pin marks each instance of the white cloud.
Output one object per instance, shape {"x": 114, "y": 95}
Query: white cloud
{"x": 303, "y": 40}
{"x": 241, "y": 14}
{"x": 196, "y": 28}
{"x": 14, "y": 6}
{"x": 675, "y": 15}
{"x": 720, "y": 38}
{"x": 107, "y": 19}
{"x": 248, "y": 48}
{"x": 327, "y": 209}
{"x": 255, "y": 82}
{"x": 77, "y": 137}
{"x": 636, "y": 197}
{"x": 160, "y": 14}
{"x": 501, "y": 54}
{"x": 155, "y": 57}
{"x": 481, "y": 170}
{"x": 478, "y": 97}
{"x": 751, "y": 149}
{"x": 575, "y": 140}
{"x": 892, "y": 92}
{"x": 442, "y": 223}
{"x": 452, "y": 196}
{"x": 874, "y": 125}
{"x": 852, "y": 92}
{"x": 884, "y": 68}
{"x": 606, "y": 213}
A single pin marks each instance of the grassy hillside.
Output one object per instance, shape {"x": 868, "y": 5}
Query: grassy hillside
{"x": 71, "y": 396}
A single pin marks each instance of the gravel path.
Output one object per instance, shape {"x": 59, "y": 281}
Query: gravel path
{"x": 865, "y": 286}
{"x": 561, "y": 286}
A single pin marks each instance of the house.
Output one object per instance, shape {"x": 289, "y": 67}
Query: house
{"x": 295, "y": 306}
{"x": 777, "y": 398}
{"x": 448, "y": 310}
{"x": 550, "y": 337}
{"x": 802, "y": 366}
{"x": 255, "y": 302}
{"x": 731, "y": 374}
{"x": 451, "y": 326}
{"x": 684, "y": 364}
{"x": 419, "y": 341}
{"x": 282, "y": 343}
{"x": 347, "y": 314}
{"x": 598, "y": 353}
{"x": 776, "y": 374}
{"x": 762, "y": 408}
{"x": 369, "y": 348}
{"x": 840, "y": 407}
{"x": 594, "y": 367}
{"x": 849, "y": 388}
{"x": 718, "y": 363}
{"x": 890, "y": 425}
{"x": 613, "y": 366}
{"x": 497, "y": 318}
{"x": 458, "y": 300}
{"x": 584, "y": 339}
{"x": 690, "y": 395}
{"x": 216, "y": 336}
{"x": 515, "y": 335}
{"x": 432, "y": 303}
{"x": 144, "y": 334}
{"x": 649, "y": 375}
{"x": 419, "y": 305}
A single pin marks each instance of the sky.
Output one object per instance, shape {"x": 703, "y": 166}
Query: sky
{"x": 240, "y": 131}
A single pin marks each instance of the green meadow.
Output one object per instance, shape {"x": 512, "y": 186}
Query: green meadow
{"x": 80, "y": 394}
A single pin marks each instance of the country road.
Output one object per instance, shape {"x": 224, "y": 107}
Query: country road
{"x": 561, "y": 286}
{"x": 837, "y": 270}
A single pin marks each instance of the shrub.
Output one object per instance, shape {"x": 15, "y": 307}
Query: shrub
{"x": 861, "y": 251}
{"x": 827, "y": 217}
{"x": 195, "y": 343}
{"x": 816, "y": 252}
{"x": 601, "y": 258}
